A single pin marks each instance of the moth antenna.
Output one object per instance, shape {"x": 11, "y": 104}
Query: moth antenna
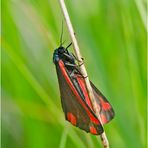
{"x": 61, "y": 35}
{"x": 63, "y": 42}
{"x": 68, "y": 46}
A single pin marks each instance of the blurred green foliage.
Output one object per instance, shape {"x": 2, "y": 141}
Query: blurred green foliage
{"x": 112, "y": 39}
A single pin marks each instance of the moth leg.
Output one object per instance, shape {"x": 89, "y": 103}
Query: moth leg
{"x": 67, "y": 55}
{"x": 78, "y": 70}
{"x": 81, "y": 75}
{"x": 70, "y": 65}
{"x": 75, "y": 67}
{"x": 77, "y": 58}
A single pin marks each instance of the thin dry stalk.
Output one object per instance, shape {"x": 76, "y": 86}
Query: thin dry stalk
{"x": 82, "y": 68}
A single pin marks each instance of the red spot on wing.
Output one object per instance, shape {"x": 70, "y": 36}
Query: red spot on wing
{"x": 91, "y": 116}
{"x": 103, "y": 119}
{"x": 106, "y": 106}
{"x": 71, "y": 118}
{"x": 93, "y": 130}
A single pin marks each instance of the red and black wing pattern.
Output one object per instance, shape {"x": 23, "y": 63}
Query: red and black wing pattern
{"x": 74, "y": 106}
{"x": 105, "y": 108}
{"x": 106, "y": 111}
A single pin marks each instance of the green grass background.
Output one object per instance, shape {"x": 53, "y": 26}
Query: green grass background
{"x": 112, "y": 39}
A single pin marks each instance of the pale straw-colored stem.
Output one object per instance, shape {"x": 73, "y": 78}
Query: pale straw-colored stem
{"x": 82, "y": 68}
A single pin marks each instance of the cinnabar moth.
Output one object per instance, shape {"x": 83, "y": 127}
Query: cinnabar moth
{"x": 74, "y": 96}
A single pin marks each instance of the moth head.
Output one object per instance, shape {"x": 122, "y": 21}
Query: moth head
{"x": 61, "y": 50}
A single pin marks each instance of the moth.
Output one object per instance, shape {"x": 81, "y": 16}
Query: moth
{"x": 75, "y": 100}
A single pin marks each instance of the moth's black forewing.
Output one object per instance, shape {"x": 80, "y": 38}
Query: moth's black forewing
{"x": 70, "y": 104}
